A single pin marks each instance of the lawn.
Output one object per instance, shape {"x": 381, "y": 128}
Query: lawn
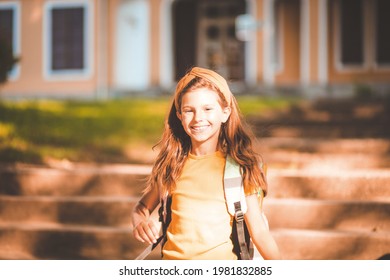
{"x": 93, "y": 131}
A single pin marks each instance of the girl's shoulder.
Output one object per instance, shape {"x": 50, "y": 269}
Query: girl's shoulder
{"x": 263, "y": 168}
{"x": 254, "y": 190}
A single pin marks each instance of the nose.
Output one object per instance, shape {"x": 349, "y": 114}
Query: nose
{"x": 198, "y": 115}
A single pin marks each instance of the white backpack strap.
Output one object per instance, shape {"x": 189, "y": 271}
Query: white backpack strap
{"x": 233, "y": 187}
{"x": 236, "y": 203}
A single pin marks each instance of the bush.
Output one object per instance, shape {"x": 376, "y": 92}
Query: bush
{"x": 7, "y": 60}
{"x": 364, "y": 93}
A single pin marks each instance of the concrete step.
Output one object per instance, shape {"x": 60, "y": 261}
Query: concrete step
{"x": 59, "y": 242}
{"x": 331, "y": 245}
{"x": 300, "y": 161}
{"x": 74, "y": 180}
{"x": 81, "y": 210}
{"x": 330, "y": 184}
{"x": 327, "y": 182}
{"x": 367, "y": 216}
{"x": 370, "y": 146}
{"x": 116, "y": 212}
{"x": 321, "y": 129}
{"x": 303, "y": 153}
{"x": 328, "y": 119}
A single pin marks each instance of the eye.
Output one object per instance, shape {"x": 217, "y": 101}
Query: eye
{"x": 187, "y": 110}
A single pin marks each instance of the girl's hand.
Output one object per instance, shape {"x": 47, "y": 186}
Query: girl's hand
{"x": 146, "y": 231}
{"x": 144, "y": 228}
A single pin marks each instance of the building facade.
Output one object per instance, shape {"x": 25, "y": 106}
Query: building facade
{"x": 104, "y": 48}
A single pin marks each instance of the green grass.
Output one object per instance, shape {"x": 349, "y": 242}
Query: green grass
{"x": 256, "y": 106}
{"x": 33, "y": 131}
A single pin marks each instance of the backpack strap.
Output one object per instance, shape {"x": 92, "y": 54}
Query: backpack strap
{"x": 234, "y": 191}
{"x": 149, "y": 249}
{"x": 236, "y": 203}
{"x": 164, "y": 218}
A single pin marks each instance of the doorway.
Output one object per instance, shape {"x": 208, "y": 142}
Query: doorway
{"x": 204, "y": 35}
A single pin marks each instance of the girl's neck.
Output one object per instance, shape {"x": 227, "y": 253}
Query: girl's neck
{"x": 203, "y": 150}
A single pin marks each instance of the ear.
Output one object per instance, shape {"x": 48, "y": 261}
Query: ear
{"x": 226, "y": 114}
{"x": 178, "y": 115}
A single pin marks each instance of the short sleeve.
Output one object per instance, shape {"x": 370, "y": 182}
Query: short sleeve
{"x": 257, "y": 190}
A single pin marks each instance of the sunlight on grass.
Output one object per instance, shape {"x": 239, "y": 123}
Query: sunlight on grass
{"x": 6, "y": 130}
{"x": 79, "y": 131}
{"x": 260, "y": 106}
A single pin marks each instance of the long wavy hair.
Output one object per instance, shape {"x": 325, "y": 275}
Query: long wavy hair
{"x": 234, "y": 140}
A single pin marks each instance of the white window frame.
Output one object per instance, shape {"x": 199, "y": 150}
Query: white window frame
{"x": 16, "y": 44}
{"x": 79, "y": 74}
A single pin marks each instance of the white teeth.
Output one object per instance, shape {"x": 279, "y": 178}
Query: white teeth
{"x": 199, "y": 128}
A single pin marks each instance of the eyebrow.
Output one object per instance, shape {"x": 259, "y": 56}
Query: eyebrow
{"x": 202, "y": 105}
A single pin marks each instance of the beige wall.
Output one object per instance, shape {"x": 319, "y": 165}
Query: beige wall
{"x": 260, "y": 41}
{"x": 155, "y": 7}
{"x": 112, "y": 6}
{"x": 314, "y": 38}
{"x": 290, "y": 14}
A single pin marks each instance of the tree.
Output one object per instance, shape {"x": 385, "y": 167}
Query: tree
{"x": 7, "y": 60}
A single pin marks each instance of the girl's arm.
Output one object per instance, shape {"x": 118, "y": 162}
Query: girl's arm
{"x": 144, "y": 228}
{"x": 259, "y": 231}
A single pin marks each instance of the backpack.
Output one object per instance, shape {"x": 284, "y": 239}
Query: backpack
{"x": 236, "y": 205}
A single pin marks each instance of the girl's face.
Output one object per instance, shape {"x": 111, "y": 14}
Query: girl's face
{"x": 202, "y": 116}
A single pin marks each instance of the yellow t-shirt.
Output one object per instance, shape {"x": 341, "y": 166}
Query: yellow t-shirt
{"x": 201, "y": 226}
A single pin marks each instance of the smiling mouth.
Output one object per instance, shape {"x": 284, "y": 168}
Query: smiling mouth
{"x": 200, "y": 128}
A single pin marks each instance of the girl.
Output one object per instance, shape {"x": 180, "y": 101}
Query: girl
{"x": 203, "y": 127}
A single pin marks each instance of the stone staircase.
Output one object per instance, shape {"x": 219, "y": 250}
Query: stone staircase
{"x": 78, "y": 212}
{"x": 330, "y": 179}
{"x": 329, "y": 198}
{"x": 329, "y": 214}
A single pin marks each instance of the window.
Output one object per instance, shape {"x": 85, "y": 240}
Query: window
{"x": 363, "y": 39}
{"x": 382, "y": 35}
{"x": 9, "y": 31}
{"x": 67, "y": 39}
{"x": 6, "y": 26}
{"x": 352, "y": 32}
{"x": 68, "y": 42}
